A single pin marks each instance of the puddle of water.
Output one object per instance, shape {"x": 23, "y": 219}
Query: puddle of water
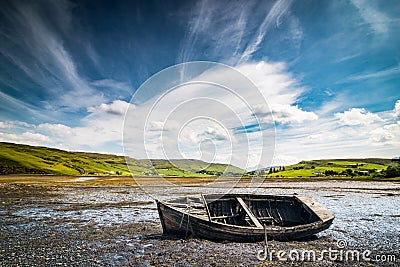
{"x": 83, "y": 179}
{"x": 362, "y": 219}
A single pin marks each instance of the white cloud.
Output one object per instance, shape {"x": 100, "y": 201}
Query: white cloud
{"x": 389, "y": 134}
{"x": 214, "y": 111}
{"x": 157, "y": 126}
{"x": 196, "y": 118}
{"x": 275, "y": 83}
{"x": 279, "y": 89}
{"x": 397, "y": 108}
{"x": 99, "y": 131}
{"x": 381, "y": 135}
{"x": 14, "y": 124}
{"x": 292, "y": 114}
{"x": 28, "y": 138}
{"x": 4, "y": 125}
{"x": 283, "y": 160}
{"x": 117, "y": 107}
{"x": 35, "y": 137}
{"x": 366, "y": 134}
{"x": 285, "y": 114}
{"x": 215, "y": 133}
{"x": 56, "y": 129}
{"x": 357, "y": 116}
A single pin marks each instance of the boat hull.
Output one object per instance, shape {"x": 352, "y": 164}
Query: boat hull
{"x": 176, "y": 222}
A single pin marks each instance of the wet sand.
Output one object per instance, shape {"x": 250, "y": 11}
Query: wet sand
{"x": 118, "y": 225}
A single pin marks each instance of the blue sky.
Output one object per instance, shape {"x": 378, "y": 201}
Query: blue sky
{"x": 68, "y": 69}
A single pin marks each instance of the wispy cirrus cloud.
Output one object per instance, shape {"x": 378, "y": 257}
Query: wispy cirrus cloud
{"x": 372, "y": 15}
{"x": 277, "y": 10}
{"x": 44, "y": 57}
{"x": 111, "y": 84}
{"x": 373, "y": 75}
{"x": 11, "y": 104}
{"x": 218, "y": 25}
{"x": 234, "y": 31}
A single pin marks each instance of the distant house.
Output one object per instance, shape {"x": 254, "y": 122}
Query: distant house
{"x": 318, "y": 173}
{"x": 363, "y": 172}
{"x": 396, "y": 159}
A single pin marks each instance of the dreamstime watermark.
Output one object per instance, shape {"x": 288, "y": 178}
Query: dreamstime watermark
{"x": 198, "y": 110}
{"x": 339, "y": 253}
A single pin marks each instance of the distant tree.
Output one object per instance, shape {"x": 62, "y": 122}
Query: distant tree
{"x": 283, "y": 168}
{"x": 313, "y": 167}
{"x": 348, "y": 172}
{"x": 392, "y": 171}
{"x": 330, "y": 172}
{"x": 396, "y": 159}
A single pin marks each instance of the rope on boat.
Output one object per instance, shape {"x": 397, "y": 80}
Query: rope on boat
{"x": 265, "y": 233}
{"x": 262, "y": 254}
{"x": 183, "y": 216}
{"x": 187, "y": 210}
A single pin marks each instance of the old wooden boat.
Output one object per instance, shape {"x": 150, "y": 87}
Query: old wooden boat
{"x": 243, "y": 217}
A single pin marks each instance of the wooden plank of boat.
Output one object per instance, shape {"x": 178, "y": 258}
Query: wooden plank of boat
{"x": 316, "y": 207}
{"x": 249, "y": 213}
{"x": 206, "y": 206}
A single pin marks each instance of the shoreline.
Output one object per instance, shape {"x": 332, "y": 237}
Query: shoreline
{"x": 119, "y": 226}
{"x": 111, "y": 181}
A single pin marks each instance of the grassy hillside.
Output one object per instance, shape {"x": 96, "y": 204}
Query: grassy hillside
{"x": 24, "y": 159}
{"x": 190, "y": 167}
{"x": 333, "y": 167}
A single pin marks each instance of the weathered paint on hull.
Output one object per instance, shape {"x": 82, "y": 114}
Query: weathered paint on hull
{"x": 177, "y": 223}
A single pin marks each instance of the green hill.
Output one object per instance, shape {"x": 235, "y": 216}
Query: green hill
{"x": 25, "y": 159}
{"x": 190, "y": 167}
{"x": 333, "y": 168}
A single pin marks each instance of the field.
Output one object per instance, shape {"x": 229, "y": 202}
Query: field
{"x": 109, "y": 181}
{"x": 118, "y": 225}
{"x": 24, "y": 159}
{"x": 337, "y": 168}
{"x": 31, "y": 160}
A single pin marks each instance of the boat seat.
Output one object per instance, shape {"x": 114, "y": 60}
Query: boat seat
{"x": 183, "y": 205}
{"x": 267, "y": 219}
{"x": 224, "y": 216}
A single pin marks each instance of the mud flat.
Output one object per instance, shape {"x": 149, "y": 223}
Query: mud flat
{"x": 118, "y": 225}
